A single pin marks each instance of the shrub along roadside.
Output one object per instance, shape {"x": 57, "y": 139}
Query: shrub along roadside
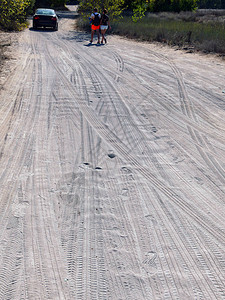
{"x": 182, "y": 30}
{"x": 13, "y": 13}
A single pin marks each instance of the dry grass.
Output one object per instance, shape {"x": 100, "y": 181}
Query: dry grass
{"x": 203, "y": 30}
{"x": 4, "y": 43}
{"x": 204, "y": 16}
{"x": 7, "y": 39}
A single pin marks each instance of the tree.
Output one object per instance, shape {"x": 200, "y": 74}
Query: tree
{"x": 13, "y": 13}
{"x": 42, "y": 3}
{"x": 172, "y": 5}
{"x": 58, "y": 3}
{"x": 50, "y": 3}
{"x": 222, "y": 4}
{"x": 214, "y": 4}
{"x": 141, "y": 6}
{"x": 161, "y": 5}
{"x": 114, "y": 7}
{"x": 188, "y": 5}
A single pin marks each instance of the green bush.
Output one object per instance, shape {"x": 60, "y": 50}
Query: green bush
{"x": 13, "y": 13}
{"x": 163, "y": 5}
{"x": 50, "y": 3}
{"x": 114, "y": 7}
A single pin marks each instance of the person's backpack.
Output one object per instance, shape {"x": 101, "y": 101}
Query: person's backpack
{"x": 96, "y": 20}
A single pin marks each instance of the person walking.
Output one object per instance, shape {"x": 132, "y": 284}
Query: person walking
{"x": 104, "y": 25}
{"x": 95, "y": 25}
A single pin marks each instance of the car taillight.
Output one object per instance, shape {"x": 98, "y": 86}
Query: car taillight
{"x": 36, "y": 18}
{"x": 53, "y": 18}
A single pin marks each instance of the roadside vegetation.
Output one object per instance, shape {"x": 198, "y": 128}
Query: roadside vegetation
{"x": 13, "y": 14}
{"x": 202, "y": 30}
{"x": 114, "y": 7}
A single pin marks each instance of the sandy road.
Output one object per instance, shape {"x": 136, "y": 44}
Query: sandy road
{"x": 112, "y": 171}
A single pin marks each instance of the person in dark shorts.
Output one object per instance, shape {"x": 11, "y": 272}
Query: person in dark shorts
{"x": 104, "y": 25}
{"x": 95, "y": 25}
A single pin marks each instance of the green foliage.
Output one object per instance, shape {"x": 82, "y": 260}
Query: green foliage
{"x": 213, "y": 4}
{"x": 161, "y": 5}
{"x": 172, "y": 5}
{"x": 141, "y": 6}
{"x": 13, "y": 13}
{"x": 188, "y": 5}
{"x": 42, "y": 3}
{"x": 139, "y": 12}
{"x": 114, "y": 7}
{"x": 139, "y": 9}
{"x": 50, "y": 3}
{"x": 58, "y": 3}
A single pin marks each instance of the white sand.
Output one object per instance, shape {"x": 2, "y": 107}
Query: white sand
{"x": 112, "y": 171}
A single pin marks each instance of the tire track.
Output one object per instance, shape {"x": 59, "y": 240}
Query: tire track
{"x": 20, "y": 153}
{"x": 23, "y": 161}
{"x": 96, "y": 80}
{"x": 112, "y": 140}
{"x": 83, "y": 235}
{"x": 126, "y": 239}
{"x": 199, "y": 143}
{"x": 170, "y": 237}
{"x": 195, "y": 135}
{"x": 205, "y": 155}
{"x": 188, "y": 110}
{"x": 138, "y": 138}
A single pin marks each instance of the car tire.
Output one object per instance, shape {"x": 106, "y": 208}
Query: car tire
{"x": 55, "y": 27}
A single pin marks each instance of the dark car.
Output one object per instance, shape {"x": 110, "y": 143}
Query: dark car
{"x": 45, "y": 17}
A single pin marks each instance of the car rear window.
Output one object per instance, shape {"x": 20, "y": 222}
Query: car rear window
{"x": 45, "y": 12}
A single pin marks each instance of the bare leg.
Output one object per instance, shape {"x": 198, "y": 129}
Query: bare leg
{"x": 92, "y": 35}
{"x": 103, "y": 34}
{"x": 98, "y": 33}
